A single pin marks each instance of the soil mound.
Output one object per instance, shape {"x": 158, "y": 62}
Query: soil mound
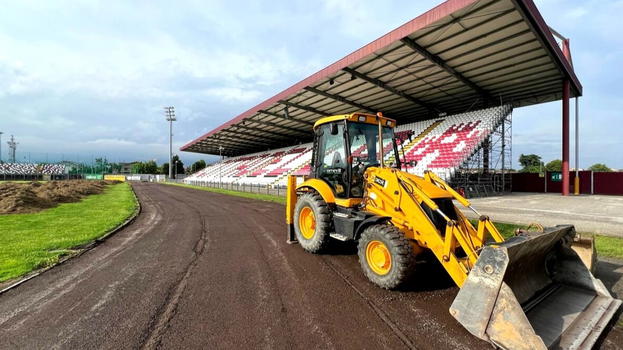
{"x": 35, "y": 196}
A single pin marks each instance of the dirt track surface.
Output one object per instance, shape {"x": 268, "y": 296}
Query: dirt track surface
{"x": 204, "y": 270}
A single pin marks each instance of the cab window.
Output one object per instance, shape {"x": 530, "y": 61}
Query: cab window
{"x": 332, "y": 159}
{"x": 364, "y": 141}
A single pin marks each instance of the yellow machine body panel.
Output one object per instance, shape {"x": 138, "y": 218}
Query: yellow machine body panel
{"x": 319, "y": 186}
{"x": 327, "y": 194}
{"x": 358, "y": 118}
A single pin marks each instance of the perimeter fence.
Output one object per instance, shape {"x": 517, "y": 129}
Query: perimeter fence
{"x": 275, "y": 190}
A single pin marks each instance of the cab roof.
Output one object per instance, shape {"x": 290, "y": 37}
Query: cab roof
{"x": 359, "y": 118}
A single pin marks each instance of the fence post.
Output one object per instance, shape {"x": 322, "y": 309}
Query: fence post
{"x": 592, "y": 183}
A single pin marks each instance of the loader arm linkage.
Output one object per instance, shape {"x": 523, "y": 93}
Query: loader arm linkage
{"x": 408, "y": 215}
{"x": 476, "y": 237}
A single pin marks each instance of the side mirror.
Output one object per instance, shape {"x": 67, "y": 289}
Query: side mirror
{"x": 334, "y": 129}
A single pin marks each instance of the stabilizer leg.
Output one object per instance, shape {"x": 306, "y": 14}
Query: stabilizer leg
{"x": 291, "y": 236}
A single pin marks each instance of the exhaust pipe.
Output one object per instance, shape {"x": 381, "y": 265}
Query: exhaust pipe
{"x": 534, "y": 292}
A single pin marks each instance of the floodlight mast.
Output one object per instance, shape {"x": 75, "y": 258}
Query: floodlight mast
{"x": 169, "y": 113}
{"x": 1, "y": 146}
{"x": 12, "y": 147}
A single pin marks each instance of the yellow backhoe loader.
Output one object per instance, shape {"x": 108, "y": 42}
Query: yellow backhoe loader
{"x": 531, "y": 291}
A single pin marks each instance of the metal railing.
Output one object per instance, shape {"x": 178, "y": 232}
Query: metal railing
{"x": 275, "y": 190}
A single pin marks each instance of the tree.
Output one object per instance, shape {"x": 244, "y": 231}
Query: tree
{"x": 599, "y": 167}
{"x": 138, "y": 168}
{"x": 180, "y": 165}
{"x": 150, "y": 167}
{"x": 554, "y": 165}
{"x": 198, "y": 165}
{"x": 531, "y": 163}
{"x": 115, "y": 168}
{"x": 101, "y": 166}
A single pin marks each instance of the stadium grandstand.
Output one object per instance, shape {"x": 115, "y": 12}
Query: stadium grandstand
{"x": 451, "y": 79}
{"x": 31, "y": 171}
{"x": 441, "y": 145}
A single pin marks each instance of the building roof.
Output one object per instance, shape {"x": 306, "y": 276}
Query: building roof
{"x": 459, "y": 56}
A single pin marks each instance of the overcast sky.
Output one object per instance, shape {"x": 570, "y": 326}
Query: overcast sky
{"x": 81, "y": 79}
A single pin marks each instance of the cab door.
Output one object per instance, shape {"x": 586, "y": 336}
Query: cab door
{"x": 331, "y": 158}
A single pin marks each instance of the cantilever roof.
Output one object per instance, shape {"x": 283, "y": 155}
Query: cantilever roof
{"x": 461, "y": 55}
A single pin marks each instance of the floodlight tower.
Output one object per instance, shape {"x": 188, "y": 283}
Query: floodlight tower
{"x": 12, "y": 147}
{"x": 1, "y": 146}
{"x": 220, "y": 166}
{"x": 169, "y": 112}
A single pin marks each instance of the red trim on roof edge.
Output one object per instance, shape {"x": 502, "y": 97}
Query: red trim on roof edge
{"x": 544, "y": 30}
{"x": 440, "y": 11}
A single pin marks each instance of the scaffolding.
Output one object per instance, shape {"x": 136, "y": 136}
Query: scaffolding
{"x": 486, "y": 172}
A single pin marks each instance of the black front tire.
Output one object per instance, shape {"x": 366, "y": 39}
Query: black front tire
{"x": 401, "y": 252}
{"x": 320, "y": 240}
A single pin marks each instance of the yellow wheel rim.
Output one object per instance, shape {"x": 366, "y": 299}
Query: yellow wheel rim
{"x": 378, "y": 257}
{"x": 307, "y": 222}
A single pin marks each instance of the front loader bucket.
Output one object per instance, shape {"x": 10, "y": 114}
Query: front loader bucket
{"x": 534, "y": 292}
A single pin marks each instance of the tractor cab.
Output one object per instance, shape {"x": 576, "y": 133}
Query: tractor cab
{"x": 346, "y": 145}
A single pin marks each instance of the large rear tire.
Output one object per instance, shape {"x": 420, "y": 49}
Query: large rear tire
{"x": 312, "y": 222}
{"x": 386, "y": 256}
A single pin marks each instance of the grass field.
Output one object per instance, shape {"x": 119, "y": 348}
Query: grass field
{"x": 609, "y": 246}
{"x": 32, "y": 241}
{"x": 606, "y": 246}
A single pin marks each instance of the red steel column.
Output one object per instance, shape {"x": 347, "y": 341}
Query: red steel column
{"x": 565, "y": 138}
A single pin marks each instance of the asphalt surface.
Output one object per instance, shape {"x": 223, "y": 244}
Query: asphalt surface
{"x": 591, "y": 214}
{"x": 204, "y": 270}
